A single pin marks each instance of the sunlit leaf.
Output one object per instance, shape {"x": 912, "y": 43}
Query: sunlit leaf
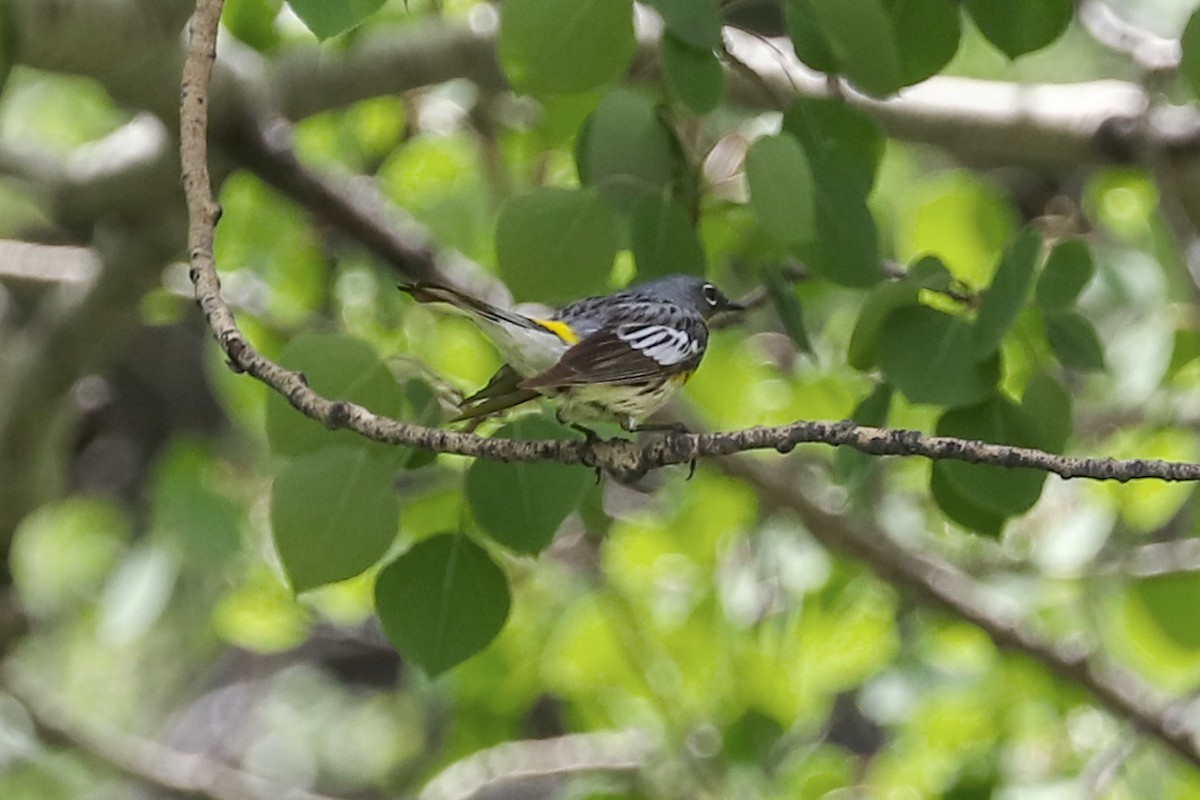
{"x": 442, "y": 601}
{"x": 252, "y": 21}
{"x": 962, "y": 220}
{"x": 327, "y": 18}
{"x": 1171, "y": 601}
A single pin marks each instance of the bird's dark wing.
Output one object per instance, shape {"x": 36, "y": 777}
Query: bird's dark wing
{"x": 502, "y": 391}
{"x": 627, "y": 354}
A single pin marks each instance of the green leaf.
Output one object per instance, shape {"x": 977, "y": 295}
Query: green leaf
{"x": 1018, "y": 27}
{"x": 787, "y": 306}
{"x": 880, "y": 302}
{"x": 812, "y": 48}
{"x": 1074, "y": 341}
{"x": 1048, "y": 403}
{"x": 556, "y": 46}
{"x": 852, "y": 466}
{"x": 1189, "y": 64}
{"x": 837, "y": 137}
{"x": 522, "y": 505}
{"x": 1171, "y": 601}
{"x": 930, "y": 357}
{"x": 781, "y": 188}
{"x": 1067, "y": 271}
{"x": 861, "y": 35}
{"x": 626, "y": 151}
{"x": 846, "y": 247}
{"x": 694, "y": 22}
{"x": 927, "y": 33}
{"x": 555, "y": 244}
{"x": 340, "y": 368}
{"x": 928, "y": 272}
{"x": 694, "y": 76}
{"x": 327, "y": 18}
{"x": 961, "y": 510}
{"x": 996, "y": 489}
{"x": 1005, "y": 297}
{"x": 961, "y": 219}
{"x": 253, "y": 21}
{"x": 188, "y": 510}
{"x": 664, "y": 241}
{"x": 442, "y": 602}
{"x": 334, "y": 512}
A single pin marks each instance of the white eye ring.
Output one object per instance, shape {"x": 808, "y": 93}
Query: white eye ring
{"x": 710, "y": 293}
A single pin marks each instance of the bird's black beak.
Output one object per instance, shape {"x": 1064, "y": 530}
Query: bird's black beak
{"x": 728, "y": 305}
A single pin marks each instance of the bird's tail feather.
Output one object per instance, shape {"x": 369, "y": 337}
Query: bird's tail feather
{"x": 432, "y": 293}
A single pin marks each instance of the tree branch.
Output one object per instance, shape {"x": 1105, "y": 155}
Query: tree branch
{"x": 143, "y": 760}
{"x": 942, "y": 586}
{"x": 544, "y": 759}
{"x": 624, "y": 459}
{"x": 1152, "y": 53}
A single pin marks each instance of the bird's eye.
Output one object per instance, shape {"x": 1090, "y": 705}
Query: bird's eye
{"x": 710, "y": 294}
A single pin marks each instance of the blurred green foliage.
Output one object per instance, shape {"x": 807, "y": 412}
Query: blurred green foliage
{"x": 526, "y": 601}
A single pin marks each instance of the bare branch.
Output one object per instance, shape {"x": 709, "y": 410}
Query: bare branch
{"x": 1149, "y": 51}
{"x": 942, "y": 586}
{"x": 543, "y": 759}
{"x": 144, "y": 760}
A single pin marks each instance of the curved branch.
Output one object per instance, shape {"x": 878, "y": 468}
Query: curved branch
{"x": 542, "y": 759}
{"x": 943, "y": 586}
{"x": 144, "y": 760}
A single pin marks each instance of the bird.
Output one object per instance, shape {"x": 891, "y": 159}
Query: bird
{"x": 610, "y": 358}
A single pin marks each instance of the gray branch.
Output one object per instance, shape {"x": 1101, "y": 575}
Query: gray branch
{"x": 942, "y": 586}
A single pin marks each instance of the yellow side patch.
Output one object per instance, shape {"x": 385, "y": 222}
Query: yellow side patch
{"x": 560, "y": 329}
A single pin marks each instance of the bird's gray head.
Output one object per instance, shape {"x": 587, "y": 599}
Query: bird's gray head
{"x": 687, "y": 291}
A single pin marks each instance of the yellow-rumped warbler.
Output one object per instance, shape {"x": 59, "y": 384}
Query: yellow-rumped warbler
{"x": 615, "y": 357}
